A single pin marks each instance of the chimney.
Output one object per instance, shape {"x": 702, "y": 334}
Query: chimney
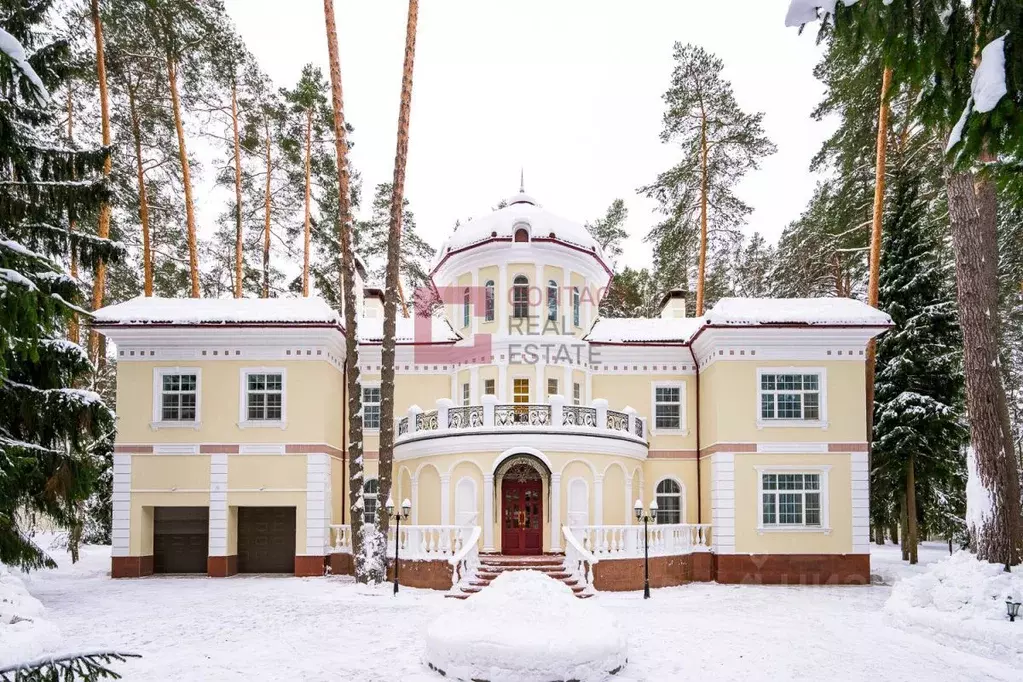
{"x": 673, "y": 305}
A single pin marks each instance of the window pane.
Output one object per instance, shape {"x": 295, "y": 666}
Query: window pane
{"x": 488, "y": 387}
{"x": 171, "y": 382}
{"x": 668, "y": 417}
{"x": 789, "y": 382}
{"x": 790, "y": 508}
{"x": 790, "y": 406}
{"x": 812, "y": 481}
{"x": 813, "y": 509}
{"x": 769, "y": 512}
{"x": 274, "y": 382}
{"x": 767, "y": 406}
{"x": 371, "y": 416}
{"x": 664, "y": 394}
{"x": 811, "y": 409}
{"x": 170, "y": 406}
{"x": 770, "y": 481}
{"x": 767, "y": 382}
{"x": 810, "y": 382}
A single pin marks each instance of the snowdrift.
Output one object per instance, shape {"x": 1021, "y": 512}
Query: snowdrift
{"x": 526, "y": 627}
{"x": 24, "y": 633}
{"x": 961, "y": 602}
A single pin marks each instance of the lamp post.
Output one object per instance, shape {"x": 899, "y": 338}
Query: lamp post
{"x": 406, "y": 506}
{"x": 1013, "y": 608}
{"x": 646, "y": 519}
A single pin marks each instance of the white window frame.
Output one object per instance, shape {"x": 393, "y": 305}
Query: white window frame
{"x": 820, "y": 470}
{"x": 489, "y": 301}
{"x": 681, "y": 497}
{"x": 683, "y": 428}
{"x": 556, "y": 387}
{"x": 569, "y": 512}
{"x": 466, "y": 302}
{"x": 466, "y": 393}
{"x": 376, "y": 501}
{"x": 577, "y": 393}
{"x": 243, "y": 399}
{"x": 158, "y": 422}
{"x": 362, "y": 401}
{"x": 552, "y": 301}
{"x": 529, "y": 386}
{"x": 822, "y": 402}
{"x": 475, "y": 506}
{"x": 576, "y": 305}
{"x": 493, "y": 383}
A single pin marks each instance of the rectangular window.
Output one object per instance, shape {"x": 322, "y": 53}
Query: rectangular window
{"x": 264, "y": 396}
{"x": 178, "y": 397}
{"x": 467, "y": 299}
{"x": 466, "y": 389}
{"x": 552, "y": 387}
{"x": 577, "y": 394}
{"x": 371, "y": 407}
{"x": 668, "y": 407}
{"x": 520, "y": 391}
{"x": 489, "y": 387}
{"x": 791, "y": 499}
{"x": 792, "y": 397}
{"x": 575, "y": 306}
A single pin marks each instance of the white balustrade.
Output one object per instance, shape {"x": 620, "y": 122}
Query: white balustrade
{"x": 426, "y": 543}
{"x": 578, "y": 560}
{"x": 626, "y": 542}
{"x": 341, "y": 538}
{"x": 466, "y": 561}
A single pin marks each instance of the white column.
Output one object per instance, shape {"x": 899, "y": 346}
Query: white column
{"x": 456, "y": 394}
{"x": 540, "y": 394}
{"x": 474, "y": 385}
{"x": 445, "y": 499}
{"x": 413, "y": 412}
{"x": 415, "y": 499}
{"x": 588, "y": 392}
{"x": 443, "y": 405}
{"x": 218, "y": 505}
{"x": 475, "y": 313}
{"x": 502, "y": 382}
{"x": 317, "y": 504}
{"x": 567, "y": 380}
{"x": 501, "y": 296}
{"x": 565, "y": 301}
{"x": 555, "y": 512}
{"x": 488, "y": 410}
{"x": 541, "y": 283}
{"x": 598, "y": 500}
{"x": 600, "y": 405}
{"x": 628, "y": 502}
{"x": 121, "y": 529}
{"x": 488, "y": 512}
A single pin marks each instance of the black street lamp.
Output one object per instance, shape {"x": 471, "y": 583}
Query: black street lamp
{"x": 405, "y": 507}
{"x": 1013, "y": 608}
{"x": 646, "y": 519}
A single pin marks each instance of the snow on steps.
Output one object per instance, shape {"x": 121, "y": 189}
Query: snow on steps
{"x": 493, "y": 565}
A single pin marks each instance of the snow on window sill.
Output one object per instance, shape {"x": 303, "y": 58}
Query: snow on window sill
{"x": 793, "y": 529}
{"x": 263, "y": 424}
{"x": 792, "y": 423}
{"x": 156, "y": 426}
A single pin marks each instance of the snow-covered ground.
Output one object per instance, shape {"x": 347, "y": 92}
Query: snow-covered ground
{"x": 263, "y": 628}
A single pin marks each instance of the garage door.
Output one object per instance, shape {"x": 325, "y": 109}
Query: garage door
{"x": 266, "y": 539}
{"x": 181, "y": 539}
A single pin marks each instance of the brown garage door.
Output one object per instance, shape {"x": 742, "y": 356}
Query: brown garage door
{"x": 266, "y": 539}
{"x": 181, "y": 539}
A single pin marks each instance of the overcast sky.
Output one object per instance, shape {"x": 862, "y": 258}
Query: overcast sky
{"x": 568, "y": 90}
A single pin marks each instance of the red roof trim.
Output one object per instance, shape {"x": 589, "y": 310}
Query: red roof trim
{"x": 489, "y": 240}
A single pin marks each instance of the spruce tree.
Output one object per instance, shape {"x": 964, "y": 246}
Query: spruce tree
{"x": 919, "y": 427}
{"x": 50, "y": 429}
{"x": 632, "y": 293}
{"x": 371, "y": 242}
{"x": 609, "y": 231}
{"x": 719, "y": 144}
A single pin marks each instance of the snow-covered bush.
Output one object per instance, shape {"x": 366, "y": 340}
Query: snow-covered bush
{"x": 25, "y": 633}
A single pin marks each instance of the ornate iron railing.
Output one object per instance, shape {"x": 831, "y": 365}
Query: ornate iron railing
{"x": 470, "y": 416}
{"x": 522, "y": 414}
{"x": 426, "y": 421}
{"x": 403, "y": 426}
{"x": 639, "y": 428}
{"x": 617, "y": 421}
{"x": 572, "y": 415}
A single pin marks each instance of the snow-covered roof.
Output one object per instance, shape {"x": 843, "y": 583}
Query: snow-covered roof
{"x": 644, "y": 330}
{"x": 194, "y": 311}
{"x": 503, "y": 222}
{"x": 740, "y": 312}
{"x": 809, "y": 311}
{"x": 371, "y": 330}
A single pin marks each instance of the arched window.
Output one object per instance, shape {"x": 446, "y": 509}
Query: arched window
{"x": 520, "y": 297}
{"x": 578, "y": 503}
{"x": 465, "y": 502}
{"x": 522, "y": 235}
{"x": 466, "y": 298}
{"x": 669, "y": 502}
{"x": 575, "y": 306}
{"x": 552, "y": 300}
{"x": 369, "y": 500}
{"x": 488, "y": 301}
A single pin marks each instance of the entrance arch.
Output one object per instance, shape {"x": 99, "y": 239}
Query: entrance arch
{"x": 524, "y": 480}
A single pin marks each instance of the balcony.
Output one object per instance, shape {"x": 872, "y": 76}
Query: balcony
{"x": 496, "y": 418}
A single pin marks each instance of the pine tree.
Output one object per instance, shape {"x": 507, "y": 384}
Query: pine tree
{"x": 919, "y": 427}
{"x": 719, "y": 142}
{"x": 632, "y": 293}
{"x": 753, "y": 267}
{"x": 372, "y": 240}
{"x": 609, "y": 231}
{"x": 50, "y": 430}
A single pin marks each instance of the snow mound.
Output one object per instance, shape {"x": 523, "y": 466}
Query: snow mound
{"x": 24, "y": 633}
{"x": 526, "y": 627}
{"x": 962, "y": 601}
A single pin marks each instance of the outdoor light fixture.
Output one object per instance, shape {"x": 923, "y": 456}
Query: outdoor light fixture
{"x": 406, "y": 506}
{"x": 1012, "y": 607}
{"x": 652, "y": 516}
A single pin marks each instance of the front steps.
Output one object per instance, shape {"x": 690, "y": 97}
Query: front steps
{"x": 493, "y": 565}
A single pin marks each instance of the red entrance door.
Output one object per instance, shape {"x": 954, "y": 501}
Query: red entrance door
{"x": 522, "y": 516}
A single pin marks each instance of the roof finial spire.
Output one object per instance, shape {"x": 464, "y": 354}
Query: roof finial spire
{"x": 522, "y": 180}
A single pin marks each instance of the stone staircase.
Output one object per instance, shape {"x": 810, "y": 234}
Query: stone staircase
{"x": 493, "y": 565}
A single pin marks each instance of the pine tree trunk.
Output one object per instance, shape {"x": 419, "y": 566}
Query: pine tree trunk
{"x": 704, "y": 188}
{"x": 308, "y": 200}
{"x": 136, "y": 131}
{"x": 103, "y": 229}
{"x": 911, "y": 524}
{"x": 893, "y": 532}
{"x": 879, "y": 535}
{"x": 186, "y": 177}
{"x": 266, "y": 223}
{"x": 238, "y": 231}
{"x": 355, "y": 467}
{"x": 873, "y": 284}
{"x": 391, "y": 282}
{"x": 903, "y": 527}
{"x": 74, "y": 330}
{"x": 972, "y": 205}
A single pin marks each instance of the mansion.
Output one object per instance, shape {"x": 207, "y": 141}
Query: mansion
{"x": 525, "y": 425}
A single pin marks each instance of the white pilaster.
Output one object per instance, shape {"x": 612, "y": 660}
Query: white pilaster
{"x": 474, "y": 385}
{"x": 557, "y": 410}
{"x": 598, "y": 500}
{"x": 555, "y": 512}
{"x": 541, "y": 284}
{"x": 488, "y": 512}
{"x": 456, "y": 390}
{"x": 489, "y": 402}
{"x": 722, "y": 502}
{"x": 565, "y": 313}
{"x": 588, "y": 392}
{"x": 415, "y": 500}
{"x": 445, "y": 499}
{"x": 317, "y": 507}
{"x": 218, "y": 505}
{"x": 566, "y": 389}
{"x": 860, "y": 474}
{"x": 502, "y": 382}
{"x": 540, "y": 394}
{"x": 475, "y": 313}
{"x": 629, "y": 509}
{"x": 501, "y": 296}
{"x": 600, "y": 405}
{"x": 120, "y": 532}
{"x": 443, "y": 405}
